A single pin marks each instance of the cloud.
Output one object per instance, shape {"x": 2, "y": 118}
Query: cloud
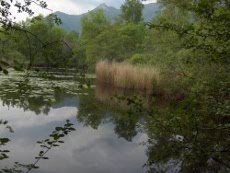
{"x": 73, "y": 7}
{"x": 20, "y": 119}
{"x": 78, "y": 6}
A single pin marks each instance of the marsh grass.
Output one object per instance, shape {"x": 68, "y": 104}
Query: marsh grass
{"x": 127, "y": 76}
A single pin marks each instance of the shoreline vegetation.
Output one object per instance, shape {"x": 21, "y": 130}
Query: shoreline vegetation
{"x": 127, "y": 76}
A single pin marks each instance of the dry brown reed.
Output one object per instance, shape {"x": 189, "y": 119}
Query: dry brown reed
{"x": 127, "y": 76}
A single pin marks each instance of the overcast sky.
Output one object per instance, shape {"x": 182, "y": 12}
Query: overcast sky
{"x": 74, "y": 6}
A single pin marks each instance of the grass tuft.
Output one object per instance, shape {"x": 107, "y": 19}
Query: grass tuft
{"x": 127, "y": 76}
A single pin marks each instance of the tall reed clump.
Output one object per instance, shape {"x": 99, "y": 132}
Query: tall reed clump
{"x": 127, "y": 76}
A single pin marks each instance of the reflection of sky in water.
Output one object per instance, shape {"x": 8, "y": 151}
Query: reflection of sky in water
{"x": 85, "y": 150}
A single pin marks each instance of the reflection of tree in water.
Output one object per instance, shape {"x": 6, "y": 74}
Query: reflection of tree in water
{"x": 37, "y": 105}
{"x": 25, "y": 94}
{"x": 178, "y": 139}
{"x": 90, "y": 112}
{"x": 93, "y": 113}
{"x": 125, "y": 126}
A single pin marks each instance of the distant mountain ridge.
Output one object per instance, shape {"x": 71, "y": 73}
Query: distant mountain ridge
{"x": 73, "y": 22}
{"x": 108, "y": 9}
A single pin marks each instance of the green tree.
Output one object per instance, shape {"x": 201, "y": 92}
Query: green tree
{"x": 103, "y": 39}
{"x": 57, "y": 53}
{"x": 93, "y": 25}
{"x": 208, "y": 29}
{"x": 193, "y": 38}
{"x": 120, "y": 42}
{"x": 10, "y": 27}
{"x": 131, "y": 11}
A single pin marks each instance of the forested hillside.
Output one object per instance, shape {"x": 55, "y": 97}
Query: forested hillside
{"x": 73, "y": 22}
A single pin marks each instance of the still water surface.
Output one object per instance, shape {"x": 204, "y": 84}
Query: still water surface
{"x": 110, "y": 136}
{"x": 99, "y": 144}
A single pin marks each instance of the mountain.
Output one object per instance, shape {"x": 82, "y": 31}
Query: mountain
{"x": 150, "y": 11}
{"x": 73, "y": 22}
{"x": 70, "y": 22}
{"x": 109, "y": 11}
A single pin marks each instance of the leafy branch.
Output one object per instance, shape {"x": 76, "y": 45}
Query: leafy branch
{"x": 4, "y": 141}
{"x": 54, "y": 140}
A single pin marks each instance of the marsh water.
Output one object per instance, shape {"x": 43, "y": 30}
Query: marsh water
{"x": 112, "y": 132}
{"x": 103, "y": 141}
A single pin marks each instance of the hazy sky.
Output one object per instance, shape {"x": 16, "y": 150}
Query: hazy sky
{"x": 74, "y": 6}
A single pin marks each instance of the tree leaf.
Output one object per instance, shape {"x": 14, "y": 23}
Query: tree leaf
{"x": 5, "y": 72}
{"x": 4, "y": 63}
{"x": 4, "y": 140}
{"x": 17, "y": 68}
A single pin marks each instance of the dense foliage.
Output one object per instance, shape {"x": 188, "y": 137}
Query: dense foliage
{"x": 37, "y": 42}
{"x": 188, "y": 41}
{"x": 132, "y": 11}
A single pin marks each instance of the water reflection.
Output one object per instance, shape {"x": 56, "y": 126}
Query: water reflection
{"x": 94, "y": 111}
{"x": 94, "y": 147}
{"x": 35, "y": 94}
{"x": 180, "y": 138}
{"x": 113, "y": 135}
{"x": 186, "y": 141}
{"x": 87, "y": 150}
{"x": 109, "y": 95}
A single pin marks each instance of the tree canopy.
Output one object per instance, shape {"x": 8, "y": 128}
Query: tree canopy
{"x": 131, "y": 11}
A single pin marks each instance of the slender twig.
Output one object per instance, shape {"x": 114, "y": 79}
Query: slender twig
{"x": 34, "y": 164}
